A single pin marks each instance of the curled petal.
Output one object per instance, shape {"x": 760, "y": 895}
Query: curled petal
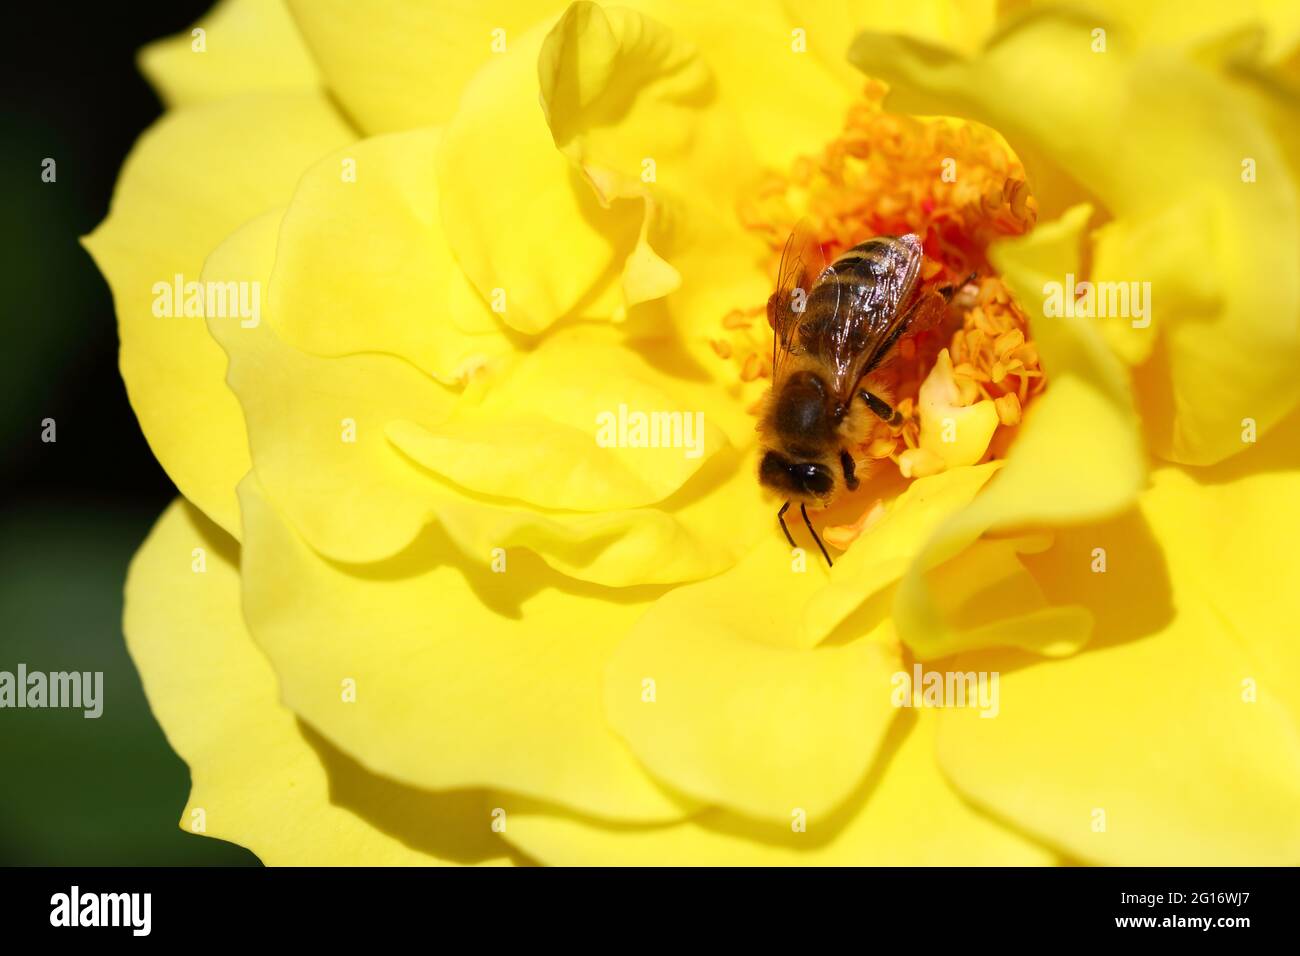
{"x": 772, "y": 74}
{"x": 193, "y": 178}
{"x": 362, "y": 264}
{"x": 331, "y": 468}
{"x": 953, "y": 430}
{"x": 239, "y": 46}
{"x": 1077, "y": 457}
{"x": 741, "y": 715}
{"x": 883, "y": 554}
{"x": 632, "y": 103}
{"x": 1205, "y": 256}
{"x": 522, "y": 223}
{"x": 427, "y": 638}
{"x": 577, "y": 424}
{"x": 260, "y": 777}
{"x": 402, "y": 64}
{"x": 1182, "y": 715}
{"x": 903, "y": 814}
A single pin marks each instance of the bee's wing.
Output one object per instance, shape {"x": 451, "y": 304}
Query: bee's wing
{"x": 879, "y": 313}
{"x": 802, "y": 262}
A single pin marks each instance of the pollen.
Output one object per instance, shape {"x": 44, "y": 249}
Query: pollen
{"x": 843, "y": 535}
{"x": 961, "y": 390}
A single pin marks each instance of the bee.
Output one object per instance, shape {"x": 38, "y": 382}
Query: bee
{"x": 832, "y": 327}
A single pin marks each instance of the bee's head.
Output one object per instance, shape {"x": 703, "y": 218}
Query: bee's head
{"x": 804, "y": 480}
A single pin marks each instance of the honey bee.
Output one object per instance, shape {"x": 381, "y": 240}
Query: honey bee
{"x": 833, "y": 326}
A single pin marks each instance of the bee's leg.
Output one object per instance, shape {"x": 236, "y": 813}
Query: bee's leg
{"x": 881, "y": 408}
{"x": 948, "y": 291}
{"x": 780, "y": 518}
{"x": 803, "y": 509}
{"x": 850, "y": 476}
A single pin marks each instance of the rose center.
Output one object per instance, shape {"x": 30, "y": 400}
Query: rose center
{"x": 961, "y": 388}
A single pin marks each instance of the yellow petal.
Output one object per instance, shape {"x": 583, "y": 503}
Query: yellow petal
{"x": 701, "y": 531}
{"x": 1196, "y": 22}
{"x": 711, "y": 703}
{"x": 919, "y": 463}
{"x": 1077, "y": 457}
{"x": 962, "y": 26}
{"x": 191, "y": 179}
{"x": 881, "y": 556}
{"x": 983, "y": 596}
{"x": 774, "y": 82}
{"x": 904, "y": 814}
{"x": 1182, "y": 717}
{"x": 325, "y": 456}
{"x": 239, "y": 46}
{"x": 1078, "y": 454}
{"x": 362, "y": 264}
{"x": 329, "y": 467}
{"x": 635, "y": 108}
{"x": 746, "y": 714}
{"x": 957, "y": 433}
{"x": 525, "y": 228}
{"x": 723, "y": 267}
{"x": 401, "y": 64}
{"x": 632, "y": 103}
{"x": 464, "y": 676}
{"x": 577, "y": 424}
{"x": 620, "y": 90}
{"x": 986, "y": 597}
{"x": 1217, "y": 340}
{"x": 261, "y": 778}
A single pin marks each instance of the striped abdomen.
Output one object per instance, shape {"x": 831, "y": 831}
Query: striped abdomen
{"x": 853, "y": 304}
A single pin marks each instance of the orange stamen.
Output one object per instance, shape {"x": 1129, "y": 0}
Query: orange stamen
{"x": 958, "y": 186}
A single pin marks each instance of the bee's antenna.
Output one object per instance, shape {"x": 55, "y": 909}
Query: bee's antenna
{"x": 803, "y": 509}
{"x": 780, "y": 517}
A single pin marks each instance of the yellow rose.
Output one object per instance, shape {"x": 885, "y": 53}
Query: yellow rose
{"x": 383, "y": 272}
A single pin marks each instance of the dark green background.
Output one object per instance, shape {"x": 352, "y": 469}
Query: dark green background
{"x": 75, "y": 791}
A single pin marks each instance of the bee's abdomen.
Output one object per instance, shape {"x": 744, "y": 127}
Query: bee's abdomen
{"x": 870, "y": 261}
{"x": 852, "y": 303}
{"x": 823, "y": 302}
{"x": 847, "y": 284}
